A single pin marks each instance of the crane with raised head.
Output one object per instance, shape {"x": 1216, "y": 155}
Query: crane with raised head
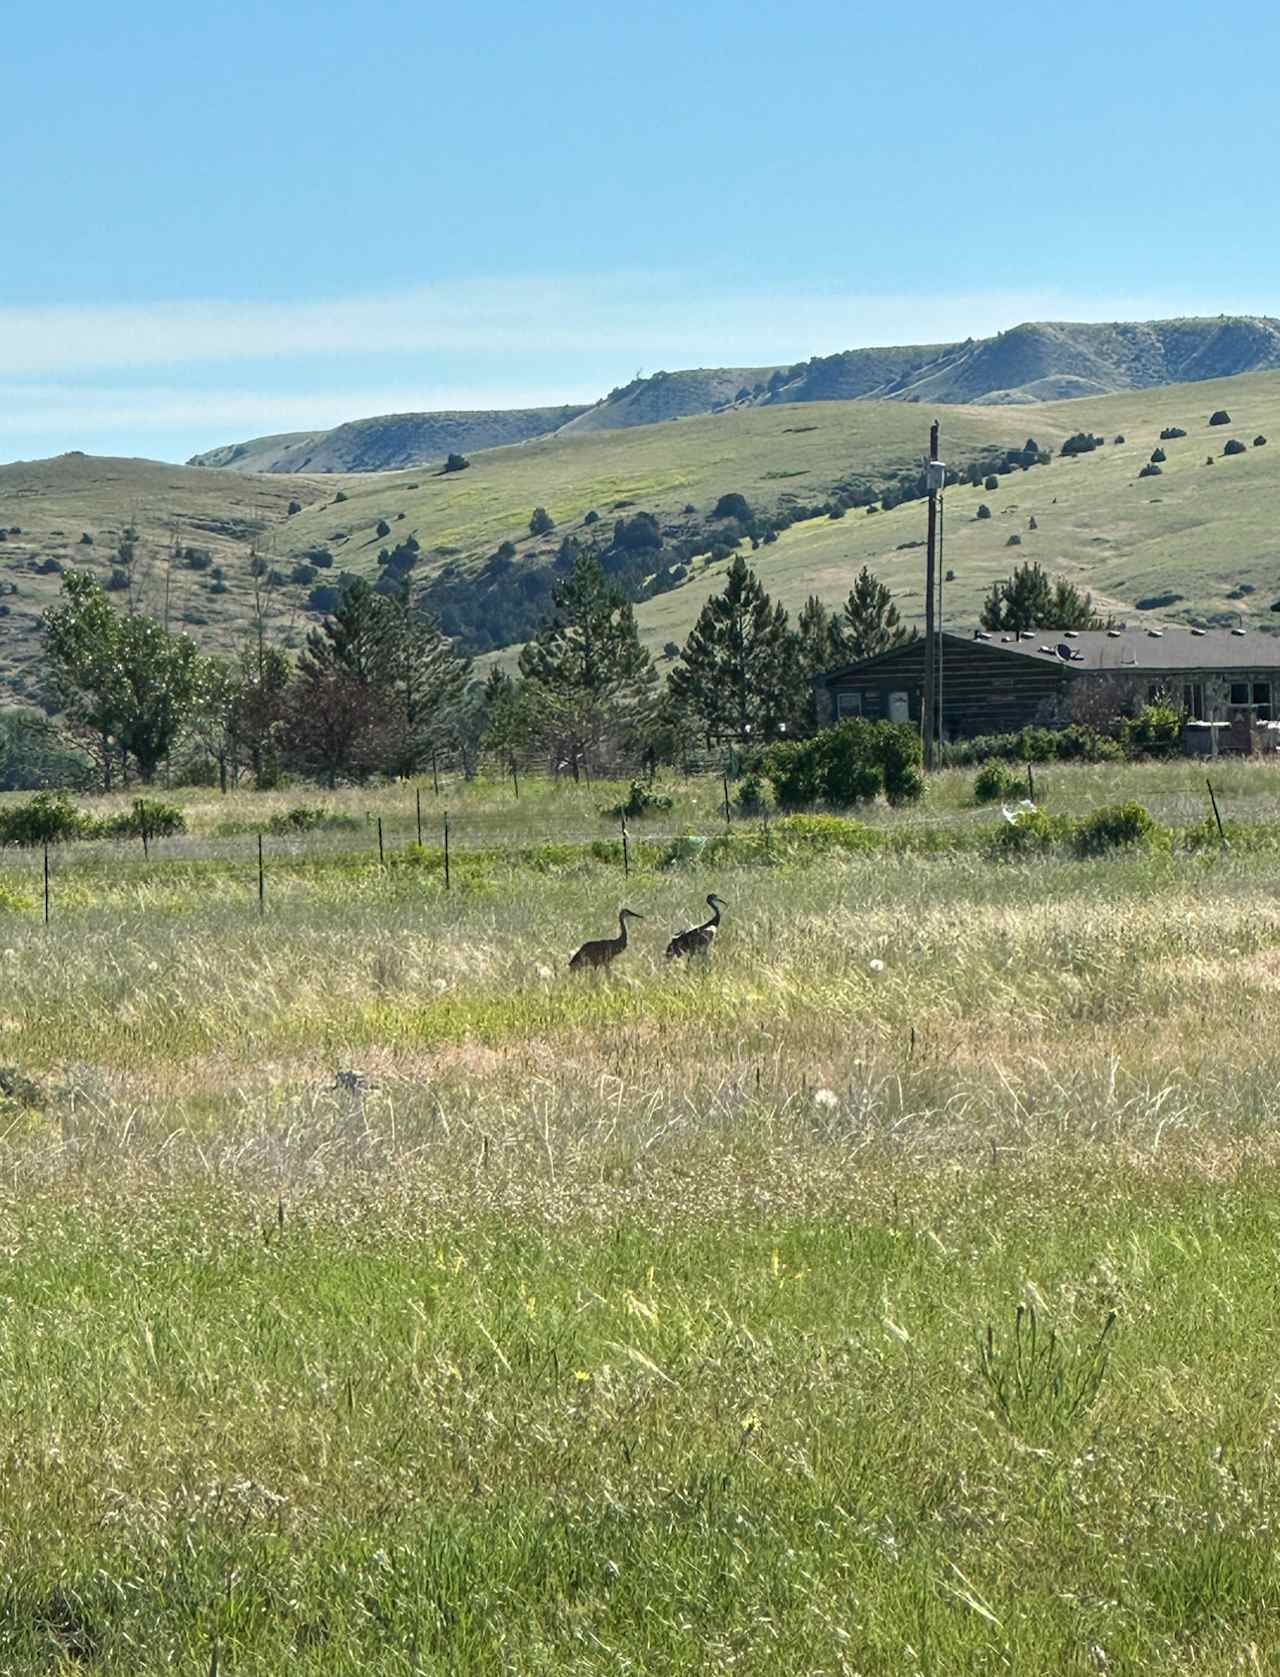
{"x": 600, "y": 951}
{"x": 698, "y": 939}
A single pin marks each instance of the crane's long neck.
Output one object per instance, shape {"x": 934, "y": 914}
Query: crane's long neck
{"x": 715, "y": 914}
{"x": 622, "y": 941}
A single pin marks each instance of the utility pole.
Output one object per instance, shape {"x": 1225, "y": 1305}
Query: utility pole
{"x": 935, "y": 477}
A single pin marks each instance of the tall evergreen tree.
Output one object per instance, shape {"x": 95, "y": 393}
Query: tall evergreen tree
{"x": 740, "y": 671}
{"x": 870, "y": 623}
{"x": 1027, "y": 600}
{"x": 587, "y": 675}
{"x": 821, "y": 637}
{"x": 424, "y": 680}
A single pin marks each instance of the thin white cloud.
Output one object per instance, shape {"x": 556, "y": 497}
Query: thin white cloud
{"x": 57, "y": 410}
{"x": 660, "y": 319}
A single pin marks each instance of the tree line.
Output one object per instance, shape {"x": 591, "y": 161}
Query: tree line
{"x": 378, "y": 687}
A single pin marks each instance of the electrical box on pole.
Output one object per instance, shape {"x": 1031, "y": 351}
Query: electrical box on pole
{"x": 935, "y": 477}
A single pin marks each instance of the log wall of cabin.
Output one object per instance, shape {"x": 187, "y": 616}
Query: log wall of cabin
{"x": 984, "y": 691}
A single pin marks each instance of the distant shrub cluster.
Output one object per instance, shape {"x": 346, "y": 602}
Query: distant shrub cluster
{"x": 52, "y": 818}
{"x": 1233, "y": 446}
{"x": 1076, "y": 744}
{"x": 1082, "y": 442}
{"x": 1170, "y": 432}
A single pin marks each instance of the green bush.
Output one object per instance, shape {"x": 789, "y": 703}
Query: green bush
{"x": 149, "y": 815}
{"x": 1156, "y": 731}
{"x": 49, "y": 818}
{"x": 793, "y": 771}
{"x": 310, "y": 818}
{"x": 995, "y": 781}
{"x": 1031, "y": 832}
{"x": 1221, "y": 417}
{"x": 1233, "y": 446}
{"x": 847, "y": 764}
{"x": 1114, "y": 827}
{"x": 751, "y": 797}
{"x": 640, "y": 800}
{"x": 984, "y": 511}
{"x": 1076, "y": 744}
{"x": 1158, "y": 457}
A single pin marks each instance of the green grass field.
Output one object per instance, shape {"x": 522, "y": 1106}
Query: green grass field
{"x": 660, "y": 1320}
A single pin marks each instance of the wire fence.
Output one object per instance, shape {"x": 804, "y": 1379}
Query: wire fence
{"x": 443, "y": 837}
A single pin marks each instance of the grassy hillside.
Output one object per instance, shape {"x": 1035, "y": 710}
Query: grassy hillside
{"x": 1204, "y": 533}
{"x": 390, "y": 441}
{"x": 48, "y": 506}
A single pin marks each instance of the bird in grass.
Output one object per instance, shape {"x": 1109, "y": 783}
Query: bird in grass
{"x": 600, "y": 951}
{"x": 1024, "y": 806}
{"x": 698, "y": 939}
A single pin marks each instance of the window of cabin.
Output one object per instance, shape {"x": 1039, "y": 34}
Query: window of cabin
{"x": 1262, "y": 700}
{"x": 1239, "y": 692}
{"x": 848, "y": 703}
{"x": 1193, "y": 700}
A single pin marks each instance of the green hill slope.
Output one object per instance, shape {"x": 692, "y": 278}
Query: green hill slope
{"x": 390, "y": 442}
{"x": 1197, "y": 543}
{"x": 1199, "y": 539}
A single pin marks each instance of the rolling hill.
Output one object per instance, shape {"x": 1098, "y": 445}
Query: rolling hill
{"x": 1035, "y": 362}
{"x": 1197, "y": 542}
{"x": 389, "y": 442}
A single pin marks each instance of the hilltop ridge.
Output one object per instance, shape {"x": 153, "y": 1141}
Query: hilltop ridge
{"x": 1037, "y": 361}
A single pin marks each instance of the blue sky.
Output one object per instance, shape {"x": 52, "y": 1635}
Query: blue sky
{"x": 238, "y": 219}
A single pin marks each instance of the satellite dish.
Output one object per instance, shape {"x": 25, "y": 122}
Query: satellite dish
{"x": 1064, "y": 651}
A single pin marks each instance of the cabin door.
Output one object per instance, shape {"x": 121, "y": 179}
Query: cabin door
{"x": 899, "y": 707}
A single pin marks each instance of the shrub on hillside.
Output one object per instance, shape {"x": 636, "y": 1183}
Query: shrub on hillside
{"x": 456, "y": 463}
{"x": 1015, "y": 540}
{"x": 1118, "y": 439}
{"x": 294, "y": 506}
{"x": 1150, "y": 470}
{"x": 1082, "y": 442}
{"x": 1233, "y": 446}
{"x": 382, "y": 528}
{"x": 751, "y": 797}
{"x": 1170, "y": 432}
{"x": 1031, "y": 832}
{"x": 1222, "y": 417}
{"x": 1076, "y": 744}
{"x": 984, "y": 511}
{"x": 340, "y": 496}
{"x": 991, "y": 483}
{"x": 1115, "y": 827}
{"x": 1259, "y": 441}
{"x": 733, "y": 505}
{"x": 1158, "y": 457}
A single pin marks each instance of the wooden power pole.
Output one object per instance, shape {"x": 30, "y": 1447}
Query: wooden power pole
{"x": 928, "y": 702}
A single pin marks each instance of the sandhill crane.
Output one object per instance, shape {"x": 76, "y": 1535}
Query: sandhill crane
{"x": 698, "y": 939}
{"x": 602, "y": 950}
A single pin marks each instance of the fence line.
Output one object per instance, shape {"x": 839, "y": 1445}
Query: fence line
{"x": 492, "y": 832}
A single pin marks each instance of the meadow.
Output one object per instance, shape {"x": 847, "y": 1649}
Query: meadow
{"x": 890, "y": 1293}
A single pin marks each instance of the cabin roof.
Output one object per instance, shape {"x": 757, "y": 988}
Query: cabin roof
{"x": 1116, "y": 651}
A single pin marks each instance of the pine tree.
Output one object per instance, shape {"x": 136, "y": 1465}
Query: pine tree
{"x": 740, "y": 671}
{"x": 821, "y": 638}
{"x": 424, "y": 681}
{"x": 1027, "y": 600}
{"x": 871, "y": 623}
{"x": 587, "y": 675}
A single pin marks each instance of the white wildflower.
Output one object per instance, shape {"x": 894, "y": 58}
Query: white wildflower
{"x": 825, "y": 1097}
